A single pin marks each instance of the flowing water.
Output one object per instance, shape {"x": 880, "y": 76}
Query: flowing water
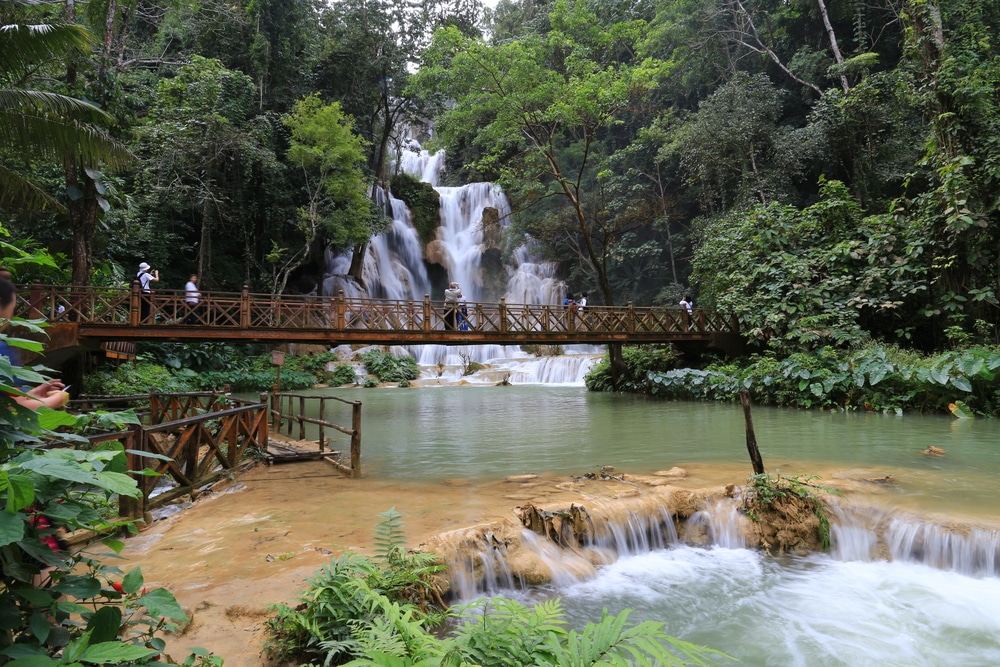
{"x": 937, "y": 602}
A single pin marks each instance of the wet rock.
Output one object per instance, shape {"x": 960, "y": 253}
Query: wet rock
{"x": 520, "y": 479}
{"x": 934, "y": 451}
{"x": 673, "y": 472}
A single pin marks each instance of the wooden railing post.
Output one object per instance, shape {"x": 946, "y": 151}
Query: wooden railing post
{"x": 322, "y": 418}
{"x": 571, "y": 319}
{"x": 133, "y": 508}
{"x": 341, "y": 310}
{"x": 262, "y": 434}
{"x": 699, "y": 318}
{"x": 302, "y": 413}
{"x": 503, "y": 314}
{"x": 427, "y": 312}
{"x": 36, "y": 309}
{"x": 245, "y": 308}
{"x": 630, "y": 318}
{"x": 356, "y": 440}
{"x": 276, "y": 412}
{"x": 135, "y": 304}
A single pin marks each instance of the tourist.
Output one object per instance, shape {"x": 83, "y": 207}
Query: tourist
{"x": 581, "y": 302}
{"x": 451, "y": 297}
{"x": 687, "y": 308}
{"x": 146, "y": 278}
{"x": 687, "y": 305}
{"x": 463, "y": 313}
{"x": 191, "y": 298}
{"x": 51, "y": 394}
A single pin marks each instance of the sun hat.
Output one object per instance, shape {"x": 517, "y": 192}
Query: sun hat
{"x": 144, "y": 267}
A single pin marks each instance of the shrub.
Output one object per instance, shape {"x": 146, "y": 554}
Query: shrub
{"x": 137, "y": 378}
{"x": 340, "y": 375}
{"x": 638, "y": 361}
{"x": 390, "y": 368}
{"x": 256, "y": 380}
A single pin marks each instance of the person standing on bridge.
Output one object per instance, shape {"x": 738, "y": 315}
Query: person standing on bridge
{"x": 687, "y": 308}
{"x": 451, "y": 297}
{"x": 191, "y": 297}
{"x": 146, "y": 277}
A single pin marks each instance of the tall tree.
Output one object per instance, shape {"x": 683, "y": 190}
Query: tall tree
{"x": 39, "y": 126}
{"x": 338, "y": 212}
{"x": 539, "y": 109}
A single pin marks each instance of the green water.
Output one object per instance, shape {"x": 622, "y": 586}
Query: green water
{"x": 484, "y": 433}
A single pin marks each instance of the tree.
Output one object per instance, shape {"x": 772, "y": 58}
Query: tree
{"x": 330, "y": 157}
{"x": 203, "y": 150}
{"x": 539, "y": 108}
{"x": 38, "y": 126}
{"x": 365, "y": 61}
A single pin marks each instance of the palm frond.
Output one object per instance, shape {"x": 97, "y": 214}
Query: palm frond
{"x": 22, "y": 47}
{"x": 49, "y": 136}
{"x": 17, "y": 190}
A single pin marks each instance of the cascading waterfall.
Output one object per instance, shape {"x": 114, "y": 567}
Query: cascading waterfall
{"x": 395, "y": 269}
{"x": 862, "y": 535}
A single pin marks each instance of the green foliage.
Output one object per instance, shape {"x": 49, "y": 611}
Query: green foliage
{"x": 346, "y": 593}
{"x": 139, "y": 377}
{"x": 250, "y": 381}
{"x": 340, "y": 375}
{"x": 388, "y": 367}
{"x": 60, "y": 608}
{"x": 876, "y": 379}
{"x": 363, "y": 611}
{"x": 423, "y": 201}
{"x": 822, "y": 275}
{"x": 638, "y": 361}
{"x": 766, "y": 490}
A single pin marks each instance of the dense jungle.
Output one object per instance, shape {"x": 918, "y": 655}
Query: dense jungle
{"x": 826, "y": 171}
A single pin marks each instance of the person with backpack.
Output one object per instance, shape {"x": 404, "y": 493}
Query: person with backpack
{"x": 146, "y": 277}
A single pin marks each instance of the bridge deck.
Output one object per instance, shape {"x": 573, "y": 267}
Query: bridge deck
{"x": 126, "y": 314}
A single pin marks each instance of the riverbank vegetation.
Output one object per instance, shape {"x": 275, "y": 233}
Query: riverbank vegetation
{"x": 882, "y": 379}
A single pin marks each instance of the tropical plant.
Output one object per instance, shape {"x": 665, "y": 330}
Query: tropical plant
{"x": 61, "y": 607}
{"x": 39, "y": 126}
{"x": 388, "y": 367}
{"x": 789, "y": 495}
{"x": 343, "y": 594}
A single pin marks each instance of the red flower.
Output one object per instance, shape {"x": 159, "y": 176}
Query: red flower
{"x": 117, "y": 586}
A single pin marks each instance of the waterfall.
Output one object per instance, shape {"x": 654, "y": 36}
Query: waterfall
{"x": 395, "y": 268}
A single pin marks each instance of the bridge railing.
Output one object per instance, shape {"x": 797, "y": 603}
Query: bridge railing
{"x": 289, "y": 409}
{"x": 196, "y": 438}
{"x": 244, "y": 310}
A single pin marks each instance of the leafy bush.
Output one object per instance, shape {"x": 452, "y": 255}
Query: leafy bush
{"x": 340, "y": 375}
{"x": 256, "y": 380}
{"x": 423, "y": 201}
{"x": 137, "y": 378}
{"x": 879, "y": 379}
{"x": 638, "y": 361}
{"x": 61, "y": 608}
{"x": 390, "y": 368}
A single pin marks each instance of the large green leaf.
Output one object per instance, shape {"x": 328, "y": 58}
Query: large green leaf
{"x": 105, "y": 624}
{"x": 160, "y": 602}
{"x": 113, "y": 653}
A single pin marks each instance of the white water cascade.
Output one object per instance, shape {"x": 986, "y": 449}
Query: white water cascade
{"x": 894, "y": 589}
{"x": 395, "y": 269}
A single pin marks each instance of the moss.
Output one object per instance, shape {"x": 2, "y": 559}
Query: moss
{"x": 422, "y": 200}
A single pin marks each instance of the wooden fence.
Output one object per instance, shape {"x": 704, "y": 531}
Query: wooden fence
{"x": 284, "y": 413}
{"x": 196, "y": 438}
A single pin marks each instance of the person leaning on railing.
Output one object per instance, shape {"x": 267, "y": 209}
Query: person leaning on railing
{"x": 49, "y": 393}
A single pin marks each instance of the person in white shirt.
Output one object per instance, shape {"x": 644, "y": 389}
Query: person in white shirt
{"x": 146, "y": 278}
{"x": 191, "y": 297}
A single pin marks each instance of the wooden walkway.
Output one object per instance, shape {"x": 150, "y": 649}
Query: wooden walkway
{"x": 108, "y": 314}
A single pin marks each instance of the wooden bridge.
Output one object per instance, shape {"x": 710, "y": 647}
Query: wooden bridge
{"x": 108, "y": 314}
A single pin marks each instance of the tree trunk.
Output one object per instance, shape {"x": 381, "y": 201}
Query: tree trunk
{"x": 833, "y": 45}
{"x": 82, "y": 213}
{"x": 755, "y": 460}
{"x": 205, "y": 245}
